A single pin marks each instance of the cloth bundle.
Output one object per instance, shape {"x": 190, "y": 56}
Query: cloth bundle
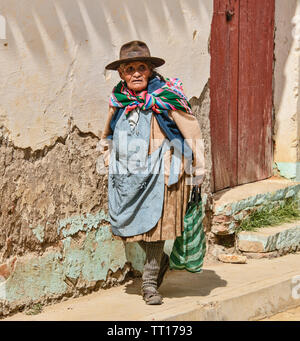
{"x": 168, "y": 97}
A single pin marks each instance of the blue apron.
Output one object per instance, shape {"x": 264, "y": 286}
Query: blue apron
{"x": 136, "y": 179}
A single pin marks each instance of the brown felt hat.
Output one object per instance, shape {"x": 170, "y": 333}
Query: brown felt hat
{"x": 133, "y": 51}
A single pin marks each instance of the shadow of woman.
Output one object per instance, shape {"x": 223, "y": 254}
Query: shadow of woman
{"x": 180, "y": 283}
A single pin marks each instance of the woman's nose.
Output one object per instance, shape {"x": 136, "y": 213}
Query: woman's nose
{"x": 136, "y": 74}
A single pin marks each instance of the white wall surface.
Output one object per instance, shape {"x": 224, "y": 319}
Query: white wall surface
{"x": 52, "y": 69}
{"x": 286, "y": 80}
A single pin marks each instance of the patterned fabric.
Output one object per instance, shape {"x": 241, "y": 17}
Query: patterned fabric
{"x": 189, "y": 249}
{"x": 169, "y": 97}
{"x": 167, "y": 125}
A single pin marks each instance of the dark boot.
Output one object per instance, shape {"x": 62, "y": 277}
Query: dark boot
{"x": 151, "y": 296}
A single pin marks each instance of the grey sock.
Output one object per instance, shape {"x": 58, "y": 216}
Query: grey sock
{"x": 154, "y": 251}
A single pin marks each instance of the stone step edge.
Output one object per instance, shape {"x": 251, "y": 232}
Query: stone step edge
{"x": 282, "y": 240}
{"x": 270, "y": 254}
{"x": 231, "y": 208}
{"x": 226, "y": 218}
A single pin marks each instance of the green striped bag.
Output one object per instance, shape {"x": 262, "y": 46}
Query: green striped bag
{"x": 189, "y": 249}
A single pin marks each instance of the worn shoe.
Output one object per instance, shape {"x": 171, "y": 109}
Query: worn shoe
{"x": 164, "y": 265}
{"x": 151, "y": 296}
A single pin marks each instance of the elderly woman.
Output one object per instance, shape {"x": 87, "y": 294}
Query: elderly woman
{"x": 149, "y": 143}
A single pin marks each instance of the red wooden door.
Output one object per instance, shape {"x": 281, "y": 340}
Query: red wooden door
{"x": 241, "y": 47}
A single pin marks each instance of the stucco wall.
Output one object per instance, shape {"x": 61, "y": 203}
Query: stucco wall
{"x": 286, "y": 88}
{"x": 52, "y": 69}
{"x": 55, "y": 239}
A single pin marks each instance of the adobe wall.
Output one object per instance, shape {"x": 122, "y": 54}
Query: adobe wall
{"x": 55, "y": 239}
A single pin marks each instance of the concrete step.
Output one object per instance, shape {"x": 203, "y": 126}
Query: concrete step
{"x": 282, "y": 238}
{"x": 231, "y": 206}
{"x": 223, "y": 291}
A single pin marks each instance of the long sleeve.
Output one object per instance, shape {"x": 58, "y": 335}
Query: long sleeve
{"x": 106, "y": 130}
{"x": 190, "y": 129}
{"x": 105, "y": 144}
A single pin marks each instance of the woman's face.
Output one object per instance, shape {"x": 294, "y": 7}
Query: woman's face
{"x": 136, "y": 75}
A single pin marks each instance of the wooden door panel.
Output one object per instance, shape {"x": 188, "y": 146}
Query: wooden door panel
{"x": 241, "y": 51}
{"x": 256, "y": 46}
{"x": 223, "y": 92}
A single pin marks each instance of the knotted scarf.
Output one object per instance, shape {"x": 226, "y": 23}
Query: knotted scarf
{"x": 168, "y": 97}
{"x": 122, "y": 98}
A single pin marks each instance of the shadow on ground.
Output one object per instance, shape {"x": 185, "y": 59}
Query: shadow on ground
{"x": 182, "y": 284}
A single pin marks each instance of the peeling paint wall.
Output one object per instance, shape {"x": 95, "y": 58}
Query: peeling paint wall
{"x": 286, "y": 89}
{"x": 40, "y": 191}
{"x": 89, "y": 261}
{"x": 55, "y": 239}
